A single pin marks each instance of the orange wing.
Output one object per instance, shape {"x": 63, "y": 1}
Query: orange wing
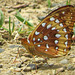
{"x": 52, "y": 37}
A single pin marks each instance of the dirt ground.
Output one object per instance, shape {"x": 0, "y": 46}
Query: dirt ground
{"x": 25, "y": 64}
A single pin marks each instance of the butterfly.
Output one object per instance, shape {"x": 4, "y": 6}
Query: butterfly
{"x": 52, "y": 37}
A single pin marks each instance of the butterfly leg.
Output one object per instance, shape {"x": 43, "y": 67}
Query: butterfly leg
{"x": 20, "y": 52}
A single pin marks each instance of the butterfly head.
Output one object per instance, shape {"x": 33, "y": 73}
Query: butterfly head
{"x": 24, "y": 42}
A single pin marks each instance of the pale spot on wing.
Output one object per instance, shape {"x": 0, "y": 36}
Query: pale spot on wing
{"x": 46, "y": 50}
{"x": 34, "y": 42}
{"x": 56, "y": 48}
{"x": 56, "y": 41}
{"x": 45, "y": 37}
{"x": 53, "y": 28}
{"x": 47, "y": 46}
{"x": 39, "y": 39}
{"x": 57, "y": 30}
{"x": 61, "y": 24}
{"x": 38, "y": 45}
{"x": 52, "y": 19}
{"x": 43, "y": 24}
{"x": 33, "y": 39}
{"x": 37, "y": 33}
{"x": 57, "y": 35}
{"x": 64, "y": 50}
{"x": 64, "y": 29}
{"x": 57, "y": 21}
{"x": 48, "y": 26}
{"x": 66, "y": 36}
{"x": 66, "y": 43}
{"x": 28, "y": 41}
{"x": 63, "y": 12}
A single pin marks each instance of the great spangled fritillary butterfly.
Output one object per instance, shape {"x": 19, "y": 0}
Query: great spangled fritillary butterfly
{"x": 52, "y": 37}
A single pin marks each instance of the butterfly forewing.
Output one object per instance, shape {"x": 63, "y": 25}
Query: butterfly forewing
{"x": 52, "y": 37}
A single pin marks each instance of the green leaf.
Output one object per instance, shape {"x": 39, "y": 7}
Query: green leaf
{"x": 20, "y": 18}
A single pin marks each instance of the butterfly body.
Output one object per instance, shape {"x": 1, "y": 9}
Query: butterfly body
{"x": 52, "y": 37}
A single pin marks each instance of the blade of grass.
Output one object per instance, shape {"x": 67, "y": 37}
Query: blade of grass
{"x": 1, "y": 18}
{"x": 9, "y": 25}
{"x": 68, "y": 2}
{"x": 20, "y": 28}
{"x": 13, "y": 27}
{"x": 5, "y": 29}
{"x": 49, "y": 3}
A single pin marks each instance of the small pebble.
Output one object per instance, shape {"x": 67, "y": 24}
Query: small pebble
{"x": 1, "y": 66}
{"x": 73, "y": 60}
{"x": 64, "y": 61}
{"x": 51, "y": 64}
{"x": 38, "y": 60}
{"x": 1, "y": 50}
{"x": 13, "y": 46}
{"x": 11, "y": 10}
{"x": 26, "y": 69}
{"x": 70, "y": 67}
{"x": 33, "y": 66}
{"x": 41, "y": 17}
{"x": 19, "y": 73}
{"x": 62, "y": 69}
{"x": 18, "y": 69}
